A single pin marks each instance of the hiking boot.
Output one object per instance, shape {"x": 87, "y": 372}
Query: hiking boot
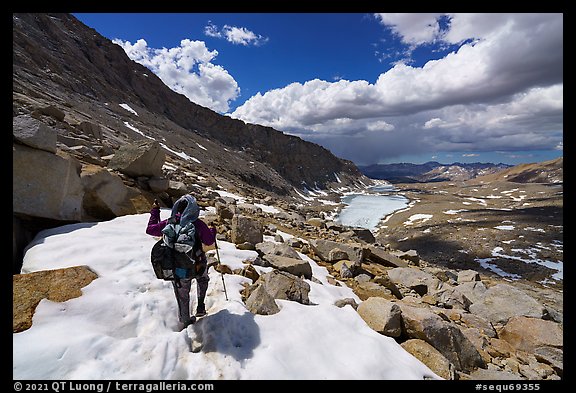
{"x": 184, "y": 324}
{"x": 200, "y": 310}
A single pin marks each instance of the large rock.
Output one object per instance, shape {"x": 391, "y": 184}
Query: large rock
{"x": 322, "y": 248}
{"x": 52, "y": 111}
{"x": 105, "y": 194}
{"x": 56, "y": 285}
{"x": 297, "y": 267}
{"x": 46, "y": 185}
{"x": 271, "y": 248}
{"x": 450, "y": 298}
{"x": 381, "y": 315}
{"x": 415, "y": 279}
{"x": 176, "y": 189}
{"x": 552, "y": 356}
{"x": 283, "y": 285}
{"x": 468, "y": 275}
{"x": 430, "y": 356}
{"x": 363, "y": 234}
{"x": 502, "y": 302}
{"x": 246, "y": 229}
{"x": 528, "y": 334}
{"x": 34, "y": 133}
{"x": 482, "y": 324}
{"x": 93, "y": 130}
{"x": 379, "y": 255}
{"x": 368, "y": 289}
{"x": 142, "y": 158}
{"x": 447, "y": 338}
{"x": 472, "y": 290}
{"x": 261, "y": 302}
{"x": 158, "y": 184}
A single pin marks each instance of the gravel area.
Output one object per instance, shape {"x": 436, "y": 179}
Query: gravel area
{"x": 504, "y": 229}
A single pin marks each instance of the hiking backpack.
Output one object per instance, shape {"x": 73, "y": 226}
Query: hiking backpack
{"x": 175, "y": 255}
{"x": 163, "y": 261}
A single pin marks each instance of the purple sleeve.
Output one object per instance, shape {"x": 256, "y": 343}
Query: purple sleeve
{"x": 207, "y": 235}
{"x": 155, "y": 226}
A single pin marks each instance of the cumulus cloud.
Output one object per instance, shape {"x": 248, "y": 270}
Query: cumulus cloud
{"x": 501, "y": 89}
{"x": 235, "y": 35}
{"x": 413, "y": 29}
{"x": 188, "y": 69}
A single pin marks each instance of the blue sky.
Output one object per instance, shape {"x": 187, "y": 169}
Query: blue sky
{"x": 372, "y": 88}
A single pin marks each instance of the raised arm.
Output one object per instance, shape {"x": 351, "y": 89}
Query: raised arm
{"x": 155, "y": 226}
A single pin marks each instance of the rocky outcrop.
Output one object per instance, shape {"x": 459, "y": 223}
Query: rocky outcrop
{"x": 382, "y": 316}
{"x": 105, "y": 194}
{"x": 295, "y": 266}
{"x": 56, "y": 285}
{"x": 445, "y": 336}
{"x": 52, "y": 185}
{"x": 528, "y": 334}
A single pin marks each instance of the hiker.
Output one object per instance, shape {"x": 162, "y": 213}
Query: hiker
{"x": 192, "y": 230}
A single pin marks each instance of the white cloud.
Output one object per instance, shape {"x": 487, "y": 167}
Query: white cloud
{"x": 502, "y": 89}
{"x": 435, "y": 122}
{"x": 414, "y": 29}
{"x": 187, "y": 69}
{"x": 211, "y": 30}
{"x": 379, "y": 125}
{"x": 235, "y": 35}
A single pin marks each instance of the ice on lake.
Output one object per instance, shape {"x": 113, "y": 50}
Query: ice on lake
{"x": 366, "y": 210}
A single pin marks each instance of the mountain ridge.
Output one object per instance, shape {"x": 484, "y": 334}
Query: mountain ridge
{"x": 550, "y": 171}
{"x": 59, "y": 59}
{"x": 429, "y": 171}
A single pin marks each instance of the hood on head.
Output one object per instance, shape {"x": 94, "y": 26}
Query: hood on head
{"x": 191, "y": 211}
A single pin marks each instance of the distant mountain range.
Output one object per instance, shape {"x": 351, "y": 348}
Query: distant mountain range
{"x": 431, "y": 171}
{"x": 551, "y": 171}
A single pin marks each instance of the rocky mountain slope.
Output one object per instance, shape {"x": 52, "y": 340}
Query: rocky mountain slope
{"x": 550, "y": 172}
{"x": 78, "y": 99}
{"x": 61, "y": 62}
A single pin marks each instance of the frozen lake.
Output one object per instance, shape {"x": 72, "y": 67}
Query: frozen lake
{"x": 366, "y": 210}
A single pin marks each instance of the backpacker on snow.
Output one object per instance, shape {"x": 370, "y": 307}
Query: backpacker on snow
{"x": 174, "y": 256}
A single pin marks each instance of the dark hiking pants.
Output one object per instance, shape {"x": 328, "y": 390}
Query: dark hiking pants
{"x": 182, "y": 293}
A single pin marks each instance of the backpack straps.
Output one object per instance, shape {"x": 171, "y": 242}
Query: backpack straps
{"x": 170, "y": 242}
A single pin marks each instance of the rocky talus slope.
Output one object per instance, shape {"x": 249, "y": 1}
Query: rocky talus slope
{"x": 461, "y": 323}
